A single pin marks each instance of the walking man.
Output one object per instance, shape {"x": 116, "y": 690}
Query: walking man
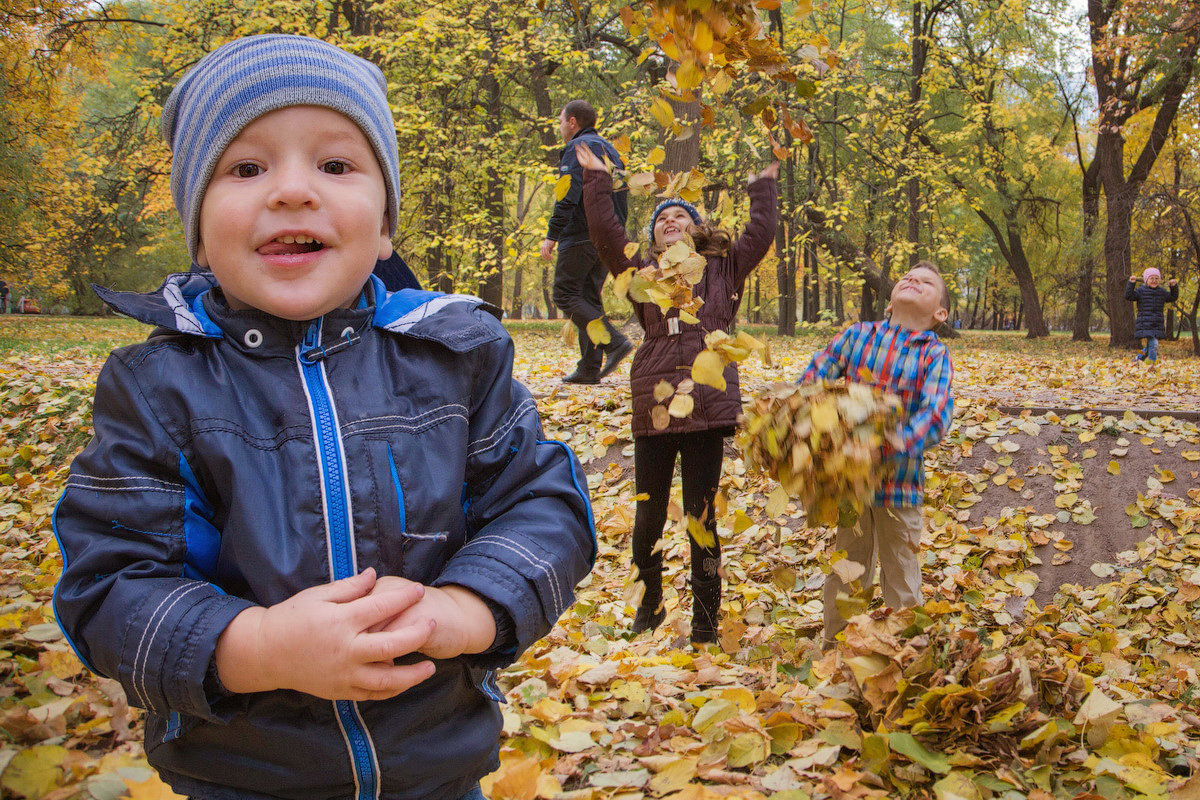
{"x": 578, "y": 273}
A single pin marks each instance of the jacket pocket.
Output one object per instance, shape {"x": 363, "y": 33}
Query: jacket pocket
{"x": 416, "y": 555}
{"x": 423, "y": 555}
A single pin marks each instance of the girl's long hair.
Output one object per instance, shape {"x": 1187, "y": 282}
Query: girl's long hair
{"x": 708, "y": 240}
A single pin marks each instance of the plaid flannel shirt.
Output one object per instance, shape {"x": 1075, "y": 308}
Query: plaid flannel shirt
{"x": 912, "y": 364}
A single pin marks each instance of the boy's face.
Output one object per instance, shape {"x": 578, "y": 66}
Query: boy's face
{"x": 919, "y": 295}
{"x": 295, "y": 215}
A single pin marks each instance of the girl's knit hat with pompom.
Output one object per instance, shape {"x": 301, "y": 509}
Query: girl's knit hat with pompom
{"x": 664, "y": 205}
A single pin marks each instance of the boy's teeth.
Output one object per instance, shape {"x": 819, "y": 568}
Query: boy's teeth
{"x": 295, "y": 239}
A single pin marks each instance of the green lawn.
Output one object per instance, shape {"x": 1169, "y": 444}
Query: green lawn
{"x": 50, "y": 335}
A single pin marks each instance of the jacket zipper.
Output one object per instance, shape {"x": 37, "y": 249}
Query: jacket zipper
{"x": 340, "y": 537}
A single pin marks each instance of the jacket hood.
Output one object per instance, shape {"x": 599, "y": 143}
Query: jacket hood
{"x": 178, "y": 305}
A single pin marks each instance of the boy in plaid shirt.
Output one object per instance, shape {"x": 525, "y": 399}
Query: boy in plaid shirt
{"x": 904, "y": 356}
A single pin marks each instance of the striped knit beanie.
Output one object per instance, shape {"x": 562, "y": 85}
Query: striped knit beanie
{"x": 241, "y": 81}
{"x": 664, "y": 205}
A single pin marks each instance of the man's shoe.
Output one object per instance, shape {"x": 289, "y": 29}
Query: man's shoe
{"x": 582, "y": 377}
{"x": 614, "y": 356}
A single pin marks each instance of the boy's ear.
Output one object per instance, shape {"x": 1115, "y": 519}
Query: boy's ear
{"x": 201, "y": 256}
{"x": 385, "y": 241}
{"x": 940, "y": 316}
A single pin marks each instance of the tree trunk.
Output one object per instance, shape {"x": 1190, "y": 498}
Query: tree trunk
{"x": 1087, "y": 264}
{"x": 1013, "y": 249}
{"x": 682, "y": 155}
{"x": 547, "y": 281}
{"x": 785, "y": 269}
{"x": 922, "y": 22}
{"x": 1119, "y": 198}
{"x": 548, "y": 133}
{"x": 786, "y": 279}
{"x": 492, "y": 289}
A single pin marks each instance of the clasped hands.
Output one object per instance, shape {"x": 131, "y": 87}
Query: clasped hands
{"x": 338, "y": 641}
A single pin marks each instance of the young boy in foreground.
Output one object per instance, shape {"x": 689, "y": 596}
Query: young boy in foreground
{"x": 315, "y": 516}
{"x": 901, "y": 355}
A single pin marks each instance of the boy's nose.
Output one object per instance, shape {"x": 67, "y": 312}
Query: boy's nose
{"x": 293, "y": 187}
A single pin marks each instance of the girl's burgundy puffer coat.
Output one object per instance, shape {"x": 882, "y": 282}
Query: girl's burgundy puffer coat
{"x": 668, "y": 356}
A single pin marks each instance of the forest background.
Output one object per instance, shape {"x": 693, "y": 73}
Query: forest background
{"x": 1038, "y": 150}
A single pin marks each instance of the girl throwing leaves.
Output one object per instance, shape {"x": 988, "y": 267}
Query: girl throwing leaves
{"x": 666, "y": 354}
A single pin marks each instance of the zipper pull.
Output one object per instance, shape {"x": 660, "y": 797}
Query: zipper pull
{"x": 312, "y": 350}
{"x": 312, "y": 336}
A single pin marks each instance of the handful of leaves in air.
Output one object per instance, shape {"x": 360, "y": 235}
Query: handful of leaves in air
{"x": 822, "y": 442}
{"x": 668, "y": 283}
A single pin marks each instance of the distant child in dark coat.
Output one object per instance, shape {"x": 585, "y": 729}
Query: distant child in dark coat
{"x": 1151, "y": 299}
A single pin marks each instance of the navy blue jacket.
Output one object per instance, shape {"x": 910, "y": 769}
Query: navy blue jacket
{"x": 239, "y": 458}
{"x": 568, "y": 224}
{"x": 1150, "y": 304}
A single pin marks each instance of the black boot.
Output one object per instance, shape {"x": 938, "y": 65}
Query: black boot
{"x": 650, "y": 613}
{"x": 648, "y": 617}
{"x": 706, "y": 609}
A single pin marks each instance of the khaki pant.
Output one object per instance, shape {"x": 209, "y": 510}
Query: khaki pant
{"x": 893, "y": 537}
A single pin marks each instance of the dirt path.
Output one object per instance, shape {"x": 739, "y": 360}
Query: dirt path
{"x": 1041, "y": 477}
{"x": 1047, "y": 461}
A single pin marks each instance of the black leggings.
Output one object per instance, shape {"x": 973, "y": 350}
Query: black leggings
{"x": 654, "y": 465}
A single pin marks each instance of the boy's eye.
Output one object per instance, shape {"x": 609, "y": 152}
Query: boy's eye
{"x": 246, "y": 170}
{"x": 335, "y": 167}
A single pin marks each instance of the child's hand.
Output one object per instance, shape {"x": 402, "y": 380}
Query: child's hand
{"x": 1134, "y": 278}
{"x": 772, "y": 171}
{"x": 588, "y": 159}
{"x": 320, "y": 641}
{"x": 1173, "y": 282}
{"x": 463, "y": 622}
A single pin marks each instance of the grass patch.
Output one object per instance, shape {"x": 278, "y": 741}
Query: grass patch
{"x": 52, "y": 335}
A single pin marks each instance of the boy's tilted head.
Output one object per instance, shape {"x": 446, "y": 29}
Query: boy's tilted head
{"x": 920, "y": 299}
{"x": 285, "y": 172}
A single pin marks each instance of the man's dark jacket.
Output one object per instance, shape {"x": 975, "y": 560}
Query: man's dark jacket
{"x": 568, "y": 224}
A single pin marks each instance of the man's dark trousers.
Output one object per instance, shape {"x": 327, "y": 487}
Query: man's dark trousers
{"x": 578, "y": 280}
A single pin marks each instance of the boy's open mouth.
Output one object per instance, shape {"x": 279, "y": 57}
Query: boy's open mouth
{"x": 290, "y": 245}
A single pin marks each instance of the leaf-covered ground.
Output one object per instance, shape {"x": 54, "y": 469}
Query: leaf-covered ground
{"x": 1055, "y": 655}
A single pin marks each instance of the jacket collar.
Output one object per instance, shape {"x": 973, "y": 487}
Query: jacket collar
{"x": 914, "y": 336}
{"x": 190, "y": 303}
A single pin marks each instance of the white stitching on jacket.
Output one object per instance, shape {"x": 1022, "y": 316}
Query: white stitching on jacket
{"x": 74, "y": 485}
{"x": 424, "y": 424}
{"x": 547, "y": 567}
{"x": 483, "y": 445}
{"x": 181, "y": 590}
{"x": 128, "y": 478}
{"x": 410, "y": 419}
